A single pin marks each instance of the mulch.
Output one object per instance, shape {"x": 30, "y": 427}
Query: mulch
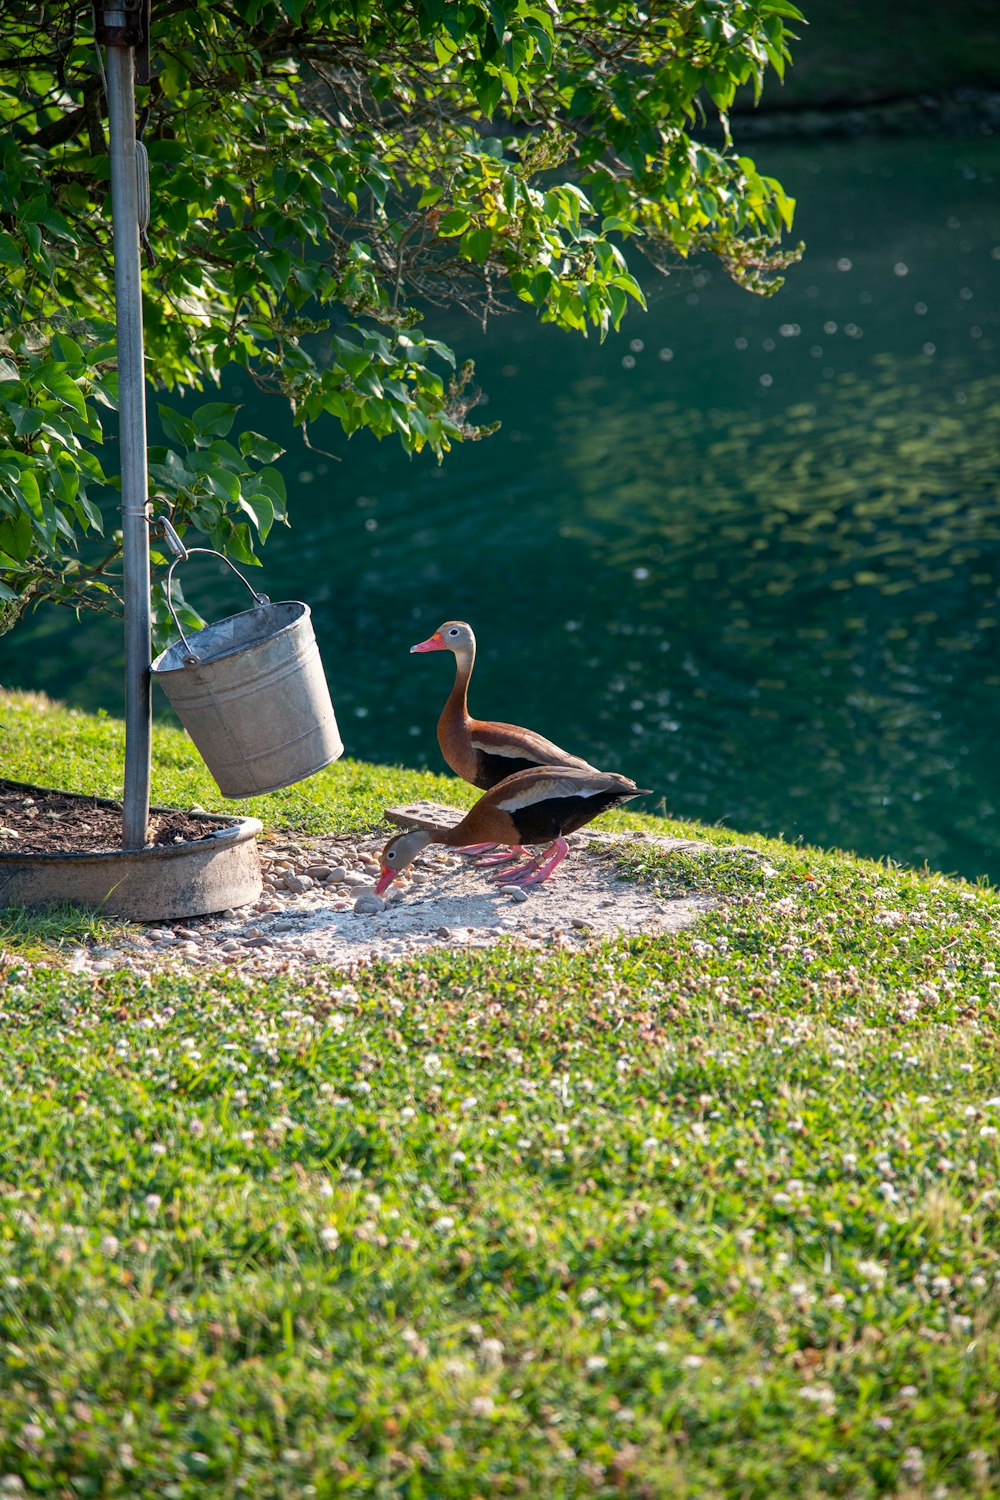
{"x": 48, "y": 822}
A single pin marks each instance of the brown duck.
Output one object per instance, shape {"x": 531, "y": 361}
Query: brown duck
{"x": 540, "y": 805}
{"x": 484, "y": 751}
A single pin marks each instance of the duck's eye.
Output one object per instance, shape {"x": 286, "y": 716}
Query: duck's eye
{"x": 453, "y": 631}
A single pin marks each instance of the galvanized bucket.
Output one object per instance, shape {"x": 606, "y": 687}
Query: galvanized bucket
{"x": 251, "y": 692}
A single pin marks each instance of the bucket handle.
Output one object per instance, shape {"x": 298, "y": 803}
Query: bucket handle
{"x": 182, "y": 554}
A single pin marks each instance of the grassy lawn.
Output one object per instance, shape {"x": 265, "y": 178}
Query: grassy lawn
{"x": 708, "y": 1215}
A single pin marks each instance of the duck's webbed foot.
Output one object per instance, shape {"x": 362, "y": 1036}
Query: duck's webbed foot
{"x": 537, "y": 870}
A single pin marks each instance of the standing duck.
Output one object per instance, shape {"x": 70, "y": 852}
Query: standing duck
{"x": 537, "y": 806}
{"x": 481, "y": 750}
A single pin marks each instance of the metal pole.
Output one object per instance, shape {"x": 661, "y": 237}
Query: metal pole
{"x": 132, "y": 430}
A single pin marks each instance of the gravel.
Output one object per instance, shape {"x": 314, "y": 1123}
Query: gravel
{"x": 319, "y": 907}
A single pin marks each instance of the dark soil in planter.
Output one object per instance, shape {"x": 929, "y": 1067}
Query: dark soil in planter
{"x": 43, "y": 822}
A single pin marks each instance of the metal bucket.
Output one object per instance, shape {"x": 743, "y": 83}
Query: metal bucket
{"x": 251, "y": 692}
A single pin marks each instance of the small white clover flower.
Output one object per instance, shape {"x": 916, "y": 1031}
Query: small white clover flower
{"x": 330, "y": 1237}
{"x": 819, "y": 1395}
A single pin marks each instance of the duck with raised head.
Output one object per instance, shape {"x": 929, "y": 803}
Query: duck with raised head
{"x": 484, "y": 751}
{"x": 540, "y": 805}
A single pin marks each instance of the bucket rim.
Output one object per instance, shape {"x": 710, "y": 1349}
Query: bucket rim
{"x": 161, "y": 671}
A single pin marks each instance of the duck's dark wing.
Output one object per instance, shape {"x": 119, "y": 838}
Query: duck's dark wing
{"x": 556, "y": 800}
{"x": 504, "y": 749}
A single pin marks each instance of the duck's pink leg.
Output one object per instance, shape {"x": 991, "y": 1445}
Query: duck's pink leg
{"x": 515, "y": 877}
{"x": 492, "y": 859}
{"x": 534, "y": 872}
{"x": 513, "y": 852}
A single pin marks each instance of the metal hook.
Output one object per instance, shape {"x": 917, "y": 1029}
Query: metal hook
{"x": 162, "y": 527}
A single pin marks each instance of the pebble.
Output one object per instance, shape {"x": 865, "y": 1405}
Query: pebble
{"x": 368, "y": 904}
{"x": 516, "y": 893}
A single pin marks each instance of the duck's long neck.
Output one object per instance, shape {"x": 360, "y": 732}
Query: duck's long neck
{"x": 455, "y": 714}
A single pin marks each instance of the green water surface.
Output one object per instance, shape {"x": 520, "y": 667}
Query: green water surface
{"x": 746, "y": 552}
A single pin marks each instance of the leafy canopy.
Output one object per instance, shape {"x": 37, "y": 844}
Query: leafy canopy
{"x": 321, "y": 172}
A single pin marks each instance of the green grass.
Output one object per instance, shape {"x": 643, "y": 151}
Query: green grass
{"x": 702, "y": 1216}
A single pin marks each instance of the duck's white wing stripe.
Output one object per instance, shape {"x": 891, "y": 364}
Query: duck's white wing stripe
{"x": 501, "y": 749}
{"x": 542, "y": 791}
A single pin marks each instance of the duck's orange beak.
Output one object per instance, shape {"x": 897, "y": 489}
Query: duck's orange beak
{"x": 387, "y": 876}
{"x": 433, "y": 642}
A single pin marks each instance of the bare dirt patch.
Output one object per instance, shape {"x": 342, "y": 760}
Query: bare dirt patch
{"x": 48, "y": 822}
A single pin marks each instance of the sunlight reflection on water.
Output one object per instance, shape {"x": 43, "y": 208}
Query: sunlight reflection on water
{"x": 747, "y": 552}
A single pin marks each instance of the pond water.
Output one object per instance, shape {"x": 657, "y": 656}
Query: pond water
{"x": 747, "y": 551}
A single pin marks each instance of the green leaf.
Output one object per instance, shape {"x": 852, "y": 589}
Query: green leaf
{"x": 63, "y": 386}
{"x": 27, "y": 420}
{"x": 214, "y": 419}
{"x": 179, "y": 429}
{"x": 454, "y": 222}
{"x": 477, "y": 244}
{"x": 489, "y": 92}
{"x": 254, "y": 445}
{"x": 67, "y": 349}
{"x": 16, "y": 535}
{"x": 272, "y": 481}
{"x": 258, "y": 505}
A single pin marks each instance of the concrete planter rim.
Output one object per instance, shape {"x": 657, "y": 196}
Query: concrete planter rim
{"x": 160, "y": 882}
